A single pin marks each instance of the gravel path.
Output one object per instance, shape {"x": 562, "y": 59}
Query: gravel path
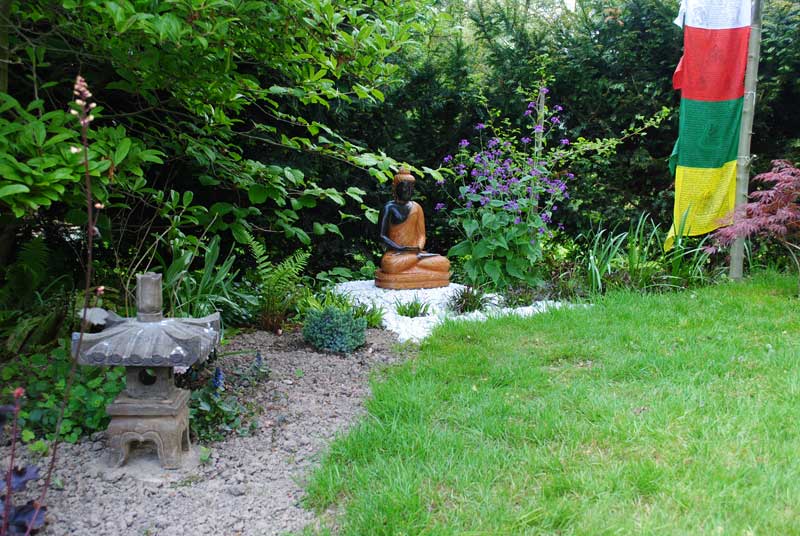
{"x": 251, "y": 485}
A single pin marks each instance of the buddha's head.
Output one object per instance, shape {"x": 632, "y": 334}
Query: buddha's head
{"x": 403, "y": 186}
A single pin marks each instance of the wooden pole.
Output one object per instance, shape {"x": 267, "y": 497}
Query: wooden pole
{"x": 746, "y": 132}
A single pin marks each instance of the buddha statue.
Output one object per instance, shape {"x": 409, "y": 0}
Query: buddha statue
{"x": 406, "y": 264}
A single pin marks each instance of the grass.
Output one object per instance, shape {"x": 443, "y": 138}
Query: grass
{"x": 655, "y": 414}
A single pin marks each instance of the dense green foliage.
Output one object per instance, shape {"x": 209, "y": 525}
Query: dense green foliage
{"x": 317, "y": 302}
{"x": 277, "y": 284}
{"x": 223, "y": 123}
{"x": 334, "y": 330}
{"x": 643, "y": 413}
{"x": 44, "y": 376}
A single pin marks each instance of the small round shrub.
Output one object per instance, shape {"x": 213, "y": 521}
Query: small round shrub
{"x": 335, "y": 330}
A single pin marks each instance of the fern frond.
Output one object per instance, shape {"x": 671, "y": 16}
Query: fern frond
{"x": 278, "y": 283}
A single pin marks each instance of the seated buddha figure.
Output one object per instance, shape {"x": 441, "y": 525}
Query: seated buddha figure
{"x": 406, "y": 264}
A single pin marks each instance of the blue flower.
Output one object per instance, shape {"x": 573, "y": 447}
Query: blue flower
{"x": 218, "y": 380}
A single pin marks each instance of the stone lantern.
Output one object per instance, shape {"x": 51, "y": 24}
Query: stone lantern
{"x": 151, "y": 408}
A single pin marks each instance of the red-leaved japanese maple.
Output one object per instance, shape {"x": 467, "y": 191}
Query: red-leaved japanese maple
{"x": 773, "y": 213}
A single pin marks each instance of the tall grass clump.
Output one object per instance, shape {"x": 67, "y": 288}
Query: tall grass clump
{"x": 636, "y": 259}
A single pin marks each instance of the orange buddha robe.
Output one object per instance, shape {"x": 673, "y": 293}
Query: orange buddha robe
{"x": 412, "y": 233}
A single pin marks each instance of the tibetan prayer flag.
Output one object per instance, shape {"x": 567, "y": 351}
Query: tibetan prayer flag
{"x": 710, "y": 76}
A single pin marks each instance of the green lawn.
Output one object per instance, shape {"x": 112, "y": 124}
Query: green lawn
{"x": 670, "y": 414}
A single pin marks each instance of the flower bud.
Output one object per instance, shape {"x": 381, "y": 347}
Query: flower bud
{"x": 74, "y": 149}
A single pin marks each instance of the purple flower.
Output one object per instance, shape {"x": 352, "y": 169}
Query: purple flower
{"x": 447, "y": 159}
{"x": 440, "y": 182}
{"x": 557, "y": 108}
{"x": 570, "y": 176}
{"x": 461, "y": 169}
{"x": 526, "y": 140}
{"x": 527, "y": 112}
{"x": 469, "y": 204}
{"x": 480, "y": 126}
{"x": 555, "y": 120}
{"x": 484, "y": 200}
{"x": 463, "y": 143}
{"x": 438, "y": 207}
{"x": 564, "y": 141}
{"x": 544, "y": 90}
{"x": 538, "y": 128}
{"x": 218, "y": 379}
{"x": 517, "y": 220}
{"x": 531, "y": 105}
{"x": 493, "y": 142}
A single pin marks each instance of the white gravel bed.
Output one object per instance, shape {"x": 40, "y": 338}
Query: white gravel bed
{"x": 416, "y": 329}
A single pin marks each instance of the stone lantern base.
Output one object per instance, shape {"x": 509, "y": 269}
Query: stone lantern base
{"x": 164, "y": 422}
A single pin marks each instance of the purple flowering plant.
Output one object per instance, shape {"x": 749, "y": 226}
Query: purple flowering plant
{"x": 509, "y": 182}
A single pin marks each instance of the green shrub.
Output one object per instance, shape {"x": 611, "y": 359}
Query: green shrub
{"x": 317, "y": 302}
{"x": 335, "y": 330}
{"x": 215, "y": 413}
{"x": 468, "y": 299}
{"x": 44, "y": 376}
{"x": 412, "y": 309}
{"x": 371, "y": 313}
{"x": 278, "y": 283}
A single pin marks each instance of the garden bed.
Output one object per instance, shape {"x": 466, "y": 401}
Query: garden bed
{"x": 248, "y": 485}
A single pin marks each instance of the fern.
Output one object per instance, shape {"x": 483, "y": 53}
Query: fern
{"x": 278, "y": 283}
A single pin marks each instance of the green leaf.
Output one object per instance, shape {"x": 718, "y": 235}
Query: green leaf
{"x": 13, "y": 189}
{"x": 257, "y": 193}
{"x": 239, "y": 232}
{"x": 461, "y": 249}
{"x": 516, "y": 267}
{"x": 470, "y": 226}
{"x": 493, "y": 269}
{"x": 39, "y": 133}
{"x": 122, "y": 151}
